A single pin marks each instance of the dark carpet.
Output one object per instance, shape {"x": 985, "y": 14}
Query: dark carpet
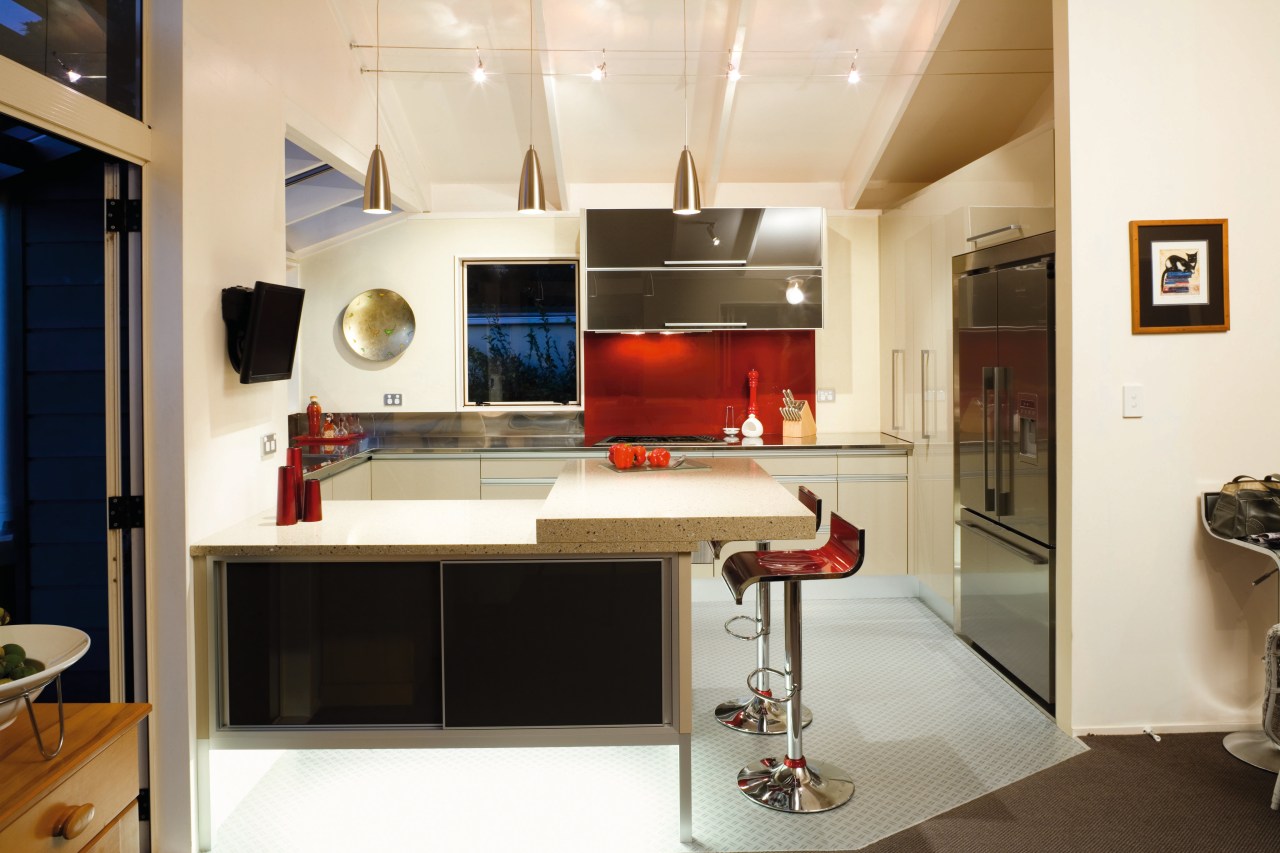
{"x": 1127, "y": 793}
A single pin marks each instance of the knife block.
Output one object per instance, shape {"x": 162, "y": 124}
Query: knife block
{"x": 803, "y": 427}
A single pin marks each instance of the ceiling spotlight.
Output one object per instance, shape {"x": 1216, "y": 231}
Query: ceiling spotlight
{"x": 478, "y": 73}
{"x": 734, "y": 74}
{"x": 598, "y": 73}
{"x": 71, "y": 73}
{"x": 854, "y": 75}
{"x": 794, "y": 294}
{"x": 711, "y": 232}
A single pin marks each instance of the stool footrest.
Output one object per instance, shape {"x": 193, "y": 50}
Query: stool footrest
{"x": 795, "y": 688}
{"x": 760, "y": 630}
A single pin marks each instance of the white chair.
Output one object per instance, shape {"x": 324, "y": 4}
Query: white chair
{"x": 1271, "y": 700}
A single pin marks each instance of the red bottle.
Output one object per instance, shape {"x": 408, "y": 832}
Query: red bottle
{"x": 313, "y": 418}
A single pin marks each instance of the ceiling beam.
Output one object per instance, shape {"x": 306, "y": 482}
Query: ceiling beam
{"x": 903, "y": 77}
{"x": 738, "y": 13}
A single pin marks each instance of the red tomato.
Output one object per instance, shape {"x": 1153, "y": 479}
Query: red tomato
{"x": 637, "y": 454}
{"x": 620, "y": 455}
{"x": 659, "y": 457}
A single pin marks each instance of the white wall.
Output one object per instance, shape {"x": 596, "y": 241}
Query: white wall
{"x": 225, "y": 84}
{"x": 1166, "y": 117}
{"x": 419, "y": 257}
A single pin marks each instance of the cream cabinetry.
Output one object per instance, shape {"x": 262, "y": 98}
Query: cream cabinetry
{"x": 350, "y": 484}
{"x": 522, "y": 476}
{"x": 425, "y": 478}
{"x": 869, "y": 489}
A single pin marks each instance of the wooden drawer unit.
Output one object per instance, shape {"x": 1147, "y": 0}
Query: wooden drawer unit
{"x": 88, "y": 792}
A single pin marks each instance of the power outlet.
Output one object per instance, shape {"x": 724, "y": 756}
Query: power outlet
{"x": 393, "y": 399}
{"x": 1133, "y": 401}
{"x": 269, "y": 444}
{"x": 826, "y": 395}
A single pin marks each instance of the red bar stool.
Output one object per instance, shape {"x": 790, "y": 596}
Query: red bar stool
{"x": 760, "y": 714}
{"x": 793, "y": 783}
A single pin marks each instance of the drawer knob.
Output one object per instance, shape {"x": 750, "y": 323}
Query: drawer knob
{"x": 75, "y": 821}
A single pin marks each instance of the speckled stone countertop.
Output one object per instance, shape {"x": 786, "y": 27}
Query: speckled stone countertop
{"x": 728, "y": 500}
{"x": 591, "y": 509}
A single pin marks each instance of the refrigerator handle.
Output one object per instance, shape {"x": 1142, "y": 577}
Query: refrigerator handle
{"x": 1004, "y": 442}
{"x": 1034, "y": 559}
{"x": 925, "y": 408}
{"x": 988, "y": 402}
{"x": 897, "y": 357}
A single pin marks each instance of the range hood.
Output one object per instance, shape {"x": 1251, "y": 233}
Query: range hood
{"x": 721, "y": 269}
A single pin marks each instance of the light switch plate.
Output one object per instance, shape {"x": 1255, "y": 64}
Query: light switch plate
{"x": 826, "y": 395}
{"x": 1133, "y": 401}
{"x": 269, "y": 444}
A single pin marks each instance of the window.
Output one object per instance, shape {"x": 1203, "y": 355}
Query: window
{"x": 521, "y": 332}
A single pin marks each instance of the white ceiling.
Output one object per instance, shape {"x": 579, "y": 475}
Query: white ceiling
{"x": 943, "y": 82}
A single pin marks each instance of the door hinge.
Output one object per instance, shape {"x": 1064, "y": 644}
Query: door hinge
{"x": 124, "y": 513}
{"x": 124, "y": 214}
{"x": 144, "y": 804}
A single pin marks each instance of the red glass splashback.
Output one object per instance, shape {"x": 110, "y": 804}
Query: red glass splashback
{"x": 670, "y": 384}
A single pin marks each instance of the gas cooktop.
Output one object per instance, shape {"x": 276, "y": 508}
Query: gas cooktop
{"x": 661, "y": 440}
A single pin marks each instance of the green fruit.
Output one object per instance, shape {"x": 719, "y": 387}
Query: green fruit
{"x": 5, "y": 680}
{"x": 23, "y": 671}
{"x": 14, "y": 660}
{"x": 14, "y": 649}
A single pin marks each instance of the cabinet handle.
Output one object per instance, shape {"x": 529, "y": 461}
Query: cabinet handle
{"x": 897, "y": 357}
{"x": 924, "y": 393}
{"x": 708, "y": 325}
{"x": 75, "y": 821}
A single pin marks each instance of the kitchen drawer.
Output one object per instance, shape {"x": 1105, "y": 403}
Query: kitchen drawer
{"x": 872, "y": 466}
{"x": 353, "y": 484}
{"x": 879, "y": 508}
{"x": 524, "y": 468}
{"x": 790, "y": 464}
{"x": 515, "y": 491}
{"x": 109, "y": 781}
{"x": 120, "y": 836}
{"x": 425, "y": 479}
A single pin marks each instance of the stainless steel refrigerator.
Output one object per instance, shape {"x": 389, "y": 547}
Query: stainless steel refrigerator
{"x": 1004, "y": 460}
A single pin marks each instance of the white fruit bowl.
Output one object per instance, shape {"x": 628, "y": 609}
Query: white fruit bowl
{"x": 56, "y": 646}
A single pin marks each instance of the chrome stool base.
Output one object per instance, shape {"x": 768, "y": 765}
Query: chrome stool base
{"x": 815, "y": 787}
{"x": 757, "y": 716}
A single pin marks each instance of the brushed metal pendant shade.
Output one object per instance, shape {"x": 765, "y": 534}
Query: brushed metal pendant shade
{"x": 377, "y": 184}
{"x": 687, "y": 199}
{"x": 529, "y": 194}
{"x": 531, "y": 199}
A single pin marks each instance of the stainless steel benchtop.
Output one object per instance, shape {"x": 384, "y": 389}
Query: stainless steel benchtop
{"x": 402, "y": 444}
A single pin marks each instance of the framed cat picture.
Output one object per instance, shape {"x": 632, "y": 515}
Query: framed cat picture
{"x": 1178, "y": 272}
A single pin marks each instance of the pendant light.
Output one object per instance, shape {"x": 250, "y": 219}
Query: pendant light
{"x": 530, "y": 198}
{"x": 687, "y": 198}
{"x": 377, "y": 184}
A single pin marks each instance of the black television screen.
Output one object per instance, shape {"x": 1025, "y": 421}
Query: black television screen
{"x": 262, "y": 329}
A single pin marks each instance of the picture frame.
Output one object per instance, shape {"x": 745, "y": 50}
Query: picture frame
{"x": 1178, "y": 274}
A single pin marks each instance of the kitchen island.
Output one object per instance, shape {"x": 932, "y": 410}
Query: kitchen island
{"x": 555, "y": 622}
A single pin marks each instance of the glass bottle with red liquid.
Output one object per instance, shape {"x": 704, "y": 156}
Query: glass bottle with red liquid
{"x": 313, "y": 418}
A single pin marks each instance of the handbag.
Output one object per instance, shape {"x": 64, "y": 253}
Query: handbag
{"x": 1247, "y": 505}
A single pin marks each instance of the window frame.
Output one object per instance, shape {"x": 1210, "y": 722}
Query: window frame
{"x": 460, "y": 349}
